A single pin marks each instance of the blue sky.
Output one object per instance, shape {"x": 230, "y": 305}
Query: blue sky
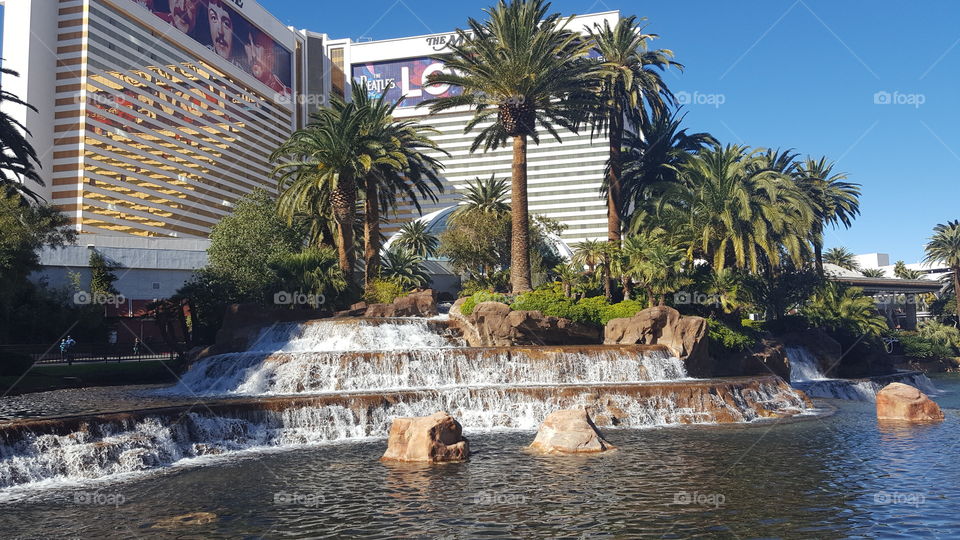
{"x": 791, "y": 74}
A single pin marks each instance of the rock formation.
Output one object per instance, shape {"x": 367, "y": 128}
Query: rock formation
{"x": 435, "y": 438}
{"x": 569, "y": 432}
{"x": 898, "y": 401}
{"x": 663, "y": 325}
{"x": 494, "y": 324}
{"x": 416, "y": 304}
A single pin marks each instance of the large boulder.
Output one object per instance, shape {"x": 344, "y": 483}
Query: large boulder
{"x": 898, "y": 401}
{"x": 435, "y": 438}
{"x": 770, "y": 356}
{"x": 569, "y": 432}
{"x": 416, "y": 304}
{"x": 494, "y": 324}
{"x": 663, "y": 325}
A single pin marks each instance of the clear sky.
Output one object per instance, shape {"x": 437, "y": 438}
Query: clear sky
{"x": 801, "y": 74}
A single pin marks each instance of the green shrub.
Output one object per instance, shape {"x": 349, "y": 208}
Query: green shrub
{"x": 482, "y": 296}
{"x": 917, "y": 346}
{"x": 592, "y": 309}
{"x": 383, "y": 291}
{"x": 730, "y": 339}
{"x": 550, "y": 303}
{"x": 15, "y": 364}
{"x": 627, "y": 308}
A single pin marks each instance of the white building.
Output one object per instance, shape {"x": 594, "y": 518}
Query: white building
{"x": 932, "y": 271}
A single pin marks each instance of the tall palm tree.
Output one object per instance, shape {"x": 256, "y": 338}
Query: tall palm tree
{"x": 486, "y": 196}
{"x": 403, "y": 266}
{"x": 944, "y": 247}
{"x": 18, "y": 159}
{"x": 415, "y": 237}
{"x": 842, "y": 257}
{"x": 522, "y": 70}
{"x": 629, "y": 84}
{"x": 835, "y": 201}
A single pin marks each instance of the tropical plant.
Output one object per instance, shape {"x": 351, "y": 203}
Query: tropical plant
{"x": 840, "y": 308}
{"x": 102, "y": 276}
{"x": 314, "y": 272}
{"x": 596, "y": 255}
{"x": 901, "y": 271}
{"x": 944, "y": 247}
{"x": 570, "y": 277}
{"x": 18, "y": 159}
{"x": 943, "y": 334}
{"x": 833, "y": 199}
{"x": 629, "y": 83}
{"x": 415, "y": 237}
{"x": 482, "y": 296}
{"x": 477, "y": 243}
{"x": 873, "y": 272}
{"x": 842, "y": 257}
{"x": 403, "y": 267}
{"x": 521, "y": 70}
{"x": 486, "y": 196}
{"x": 384, "y": 291}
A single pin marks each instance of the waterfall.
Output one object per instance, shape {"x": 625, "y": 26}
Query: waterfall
{"x": 806, "y": 375}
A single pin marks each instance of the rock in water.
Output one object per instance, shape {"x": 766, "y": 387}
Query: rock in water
{"x": 898, "y": 401}
{"x": 569, "y": 431}
{"x": 663, "y": 325}
{"x": 435, "y": 438}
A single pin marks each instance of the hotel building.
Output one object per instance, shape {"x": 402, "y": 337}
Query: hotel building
{"x": 155, "y": 116}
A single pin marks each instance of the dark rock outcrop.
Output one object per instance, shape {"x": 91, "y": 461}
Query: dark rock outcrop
{"x": 416, "y": 304}
{"x": 435, "y": 438}
{"x": 663, "y": 325}
{"x": 898, "y": 401}
{"x": 824, "y": 348}
{"x": 242, "y": 322}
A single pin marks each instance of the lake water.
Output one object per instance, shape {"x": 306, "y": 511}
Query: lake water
{"x": 838, "y": 476}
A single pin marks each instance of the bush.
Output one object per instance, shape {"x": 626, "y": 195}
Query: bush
{"x": 627, "y": 308}
{"x": 15, "y": 364}
{"x": 730, "y": 339}
{"x": 383, "y": 291}
{"x": 917, "y": 346}
{"x": 483, "y": 296}
{"x": 550, "y": 303}
{"x": 592, "y": 309}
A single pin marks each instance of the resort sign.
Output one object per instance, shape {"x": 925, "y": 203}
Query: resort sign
{"x": 402, "y": 80}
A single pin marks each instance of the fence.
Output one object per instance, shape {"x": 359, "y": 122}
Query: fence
{"x": 121, "y": 352}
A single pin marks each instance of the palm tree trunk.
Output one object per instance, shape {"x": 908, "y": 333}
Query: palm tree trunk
{"x": 956, "y": 290}
{"x": 607, "y": 283}
{"x": 651, "y": 298}
{"x": 614, "y": 195}
{"x": 344, "y": 203}
{"x": 818, "y": 254}
{"x": 371, "y": 233}
{"x": 520, "y": 239}
{"x": 627, "y": 287}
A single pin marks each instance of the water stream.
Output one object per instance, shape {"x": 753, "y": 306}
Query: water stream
{"x": 806, "y": 374}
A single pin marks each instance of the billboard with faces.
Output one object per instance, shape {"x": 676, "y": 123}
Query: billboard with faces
{"x": 402, "y": 80}
{"x": 219, "y": 26}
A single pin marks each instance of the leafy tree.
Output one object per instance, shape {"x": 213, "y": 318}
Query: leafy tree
{"x": 403, "y": 267}
{"x": 102, "y": 275}
{"x": 18, "y": 159}
{"x": 313, "y": 271}
{"x": 842, "y": 257}
{"x": 628, "y": 84}
{"x": 520, "y": 70}
{"x": 477, "y": 243}
{"x": 944, "y": 247}
{"x": 779, "y": 289}
{"x": 415, "y": 237}
{"x": 243, "y": 244}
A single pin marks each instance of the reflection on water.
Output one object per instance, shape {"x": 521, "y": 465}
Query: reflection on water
{"x": 840, "y": 476}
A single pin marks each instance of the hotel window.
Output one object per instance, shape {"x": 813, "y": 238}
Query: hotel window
{"x": 336, "y": 71}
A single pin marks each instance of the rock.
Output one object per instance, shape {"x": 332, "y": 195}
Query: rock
{"x": 769, "y": 357}
{"x": 663, "y": 325}
{"x": 461, "y": 322}
{"x": 242, "y": 324}
{"x": 416, "y": 304}
{"x": 186, "y": 520}
{"x": 434, "y": 438}
{"x": 356, "y": 310}
{"x": 494, "y": 324}
{"x": 569, "y": 431}
{"x": 824, "y": 348}
{"x": 898, "y": 401}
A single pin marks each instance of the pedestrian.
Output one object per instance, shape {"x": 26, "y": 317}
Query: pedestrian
{"x": 136, "y": 346}
{"x": 63, "y": 349}
{"x": 112, "y": 342}
{"x": 70, "y": 344}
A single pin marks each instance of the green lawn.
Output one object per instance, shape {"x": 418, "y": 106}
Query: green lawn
{"x": 42, "y": 378}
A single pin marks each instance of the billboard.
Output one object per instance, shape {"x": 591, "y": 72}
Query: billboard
{"x": 402, "y": 80}
{"x": 217, "y": 25}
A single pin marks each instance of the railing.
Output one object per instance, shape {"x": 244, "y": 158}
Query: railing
{"x": 85, "y": 353}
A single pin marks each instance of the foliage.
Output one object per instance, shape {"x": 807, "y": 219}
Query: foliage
{"x": 833, "y": 200}
{"x": 728, "y": 339}
{"x": 243, "y": 243}
{"x": 940, "y": 333}
{"x": 901, "y": 271}
{"x": 383, "y": 291}
{"x": 944, "y": 247}
{"x": 626, "y": 308}
{"x": 492, "y": 282}
{"x": 873, "y": 273}
{"x": 102, "y": 277}
{"x": 482, "y": 296}
{"x": 415, "y": 237}
{"x": 778, "y": 290}
{"x": 918, "y": 346}
{"x": 404, "y": 267}
{"x": 18, "y": 159}
{"x": 487, "y": 196}
{"x": 553, "y": 304}
{"x": 838, "y": 308}
{"x": 313, "y": 271}
{"x": 477, "y": 243}
{"x": 842, "y": 257}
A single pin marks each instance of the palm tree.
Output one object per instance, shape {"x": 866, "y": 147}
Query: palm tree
{"x": 17, "y": 156}
{"x": 313, "y": 271}
{"x": 415, "y": 237}
{"x": 570, "y": 276}
{"x": 838, "y": 307}
{"x": 656, "y": 265}
{"x": 629, "y": 83}
{"x": 595, "y": 255}
{"x": 944, "y": 247}
{"x": 873, "y": 272}
{"x": 403, "y": 267}
{"x": 842, "y": 257}
{"x": 901, "y": 271}
{"x": 486, "y": 196}
{"x": 834, "y": 200}
{"x": 522, "y": 69}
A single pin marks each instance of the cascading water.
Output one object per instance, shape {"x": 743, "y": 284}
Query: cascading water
{"x": 338, "y": 380}
{"x": 806, "y": 375}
